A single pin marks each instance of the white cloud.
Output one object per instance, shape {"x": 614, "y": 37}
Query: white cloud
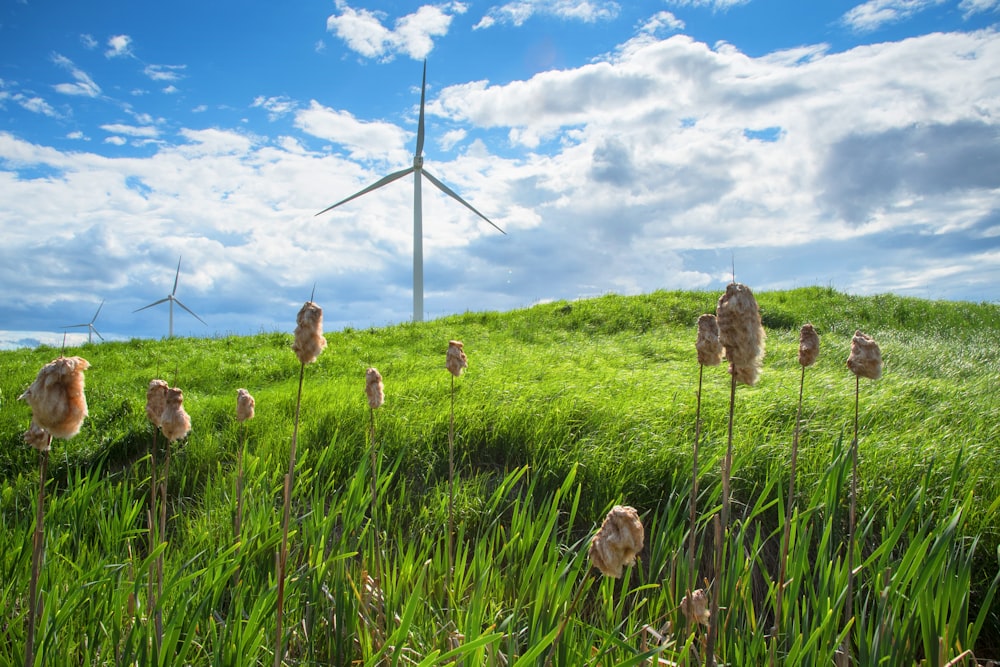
{"x": 83, "y": 86}
{"x": 130, "y": 130}
{"x": 88, "y": 42}
{"x": 362, "y": 30}
{"x": 276, "y": 107}
{"x": 661, "y": 22}
{"x": 518, "y": 12}
{"x": 164, "y": 72}
{"x": 116, "y": 141}
{"x": 364, "y": 140}
{"x": 971, "y": 7}
{"x": 78, "y": 135}
{"x": 874, "y": 14}
{"x": 36, "y": 105}
{"x": 170, "y": 90}
{"x": 118, "y": 46}
{"x": 715, "y": 5}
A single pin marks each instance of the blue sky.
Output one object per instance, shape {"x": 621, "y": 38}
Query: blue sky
{"x": 623, "y": 147}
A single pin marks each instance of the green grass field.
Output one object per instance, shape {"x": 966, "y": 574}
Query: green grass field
{"x": 566, "y": 409}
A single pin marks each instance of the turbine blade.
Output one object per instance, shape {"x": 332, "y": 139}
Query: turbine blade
{"x": 448, "y": 191}
{"x": 420, "y": 122}
{"x": 97, "y": 332}
{"x": 374, "y": 186}
{"x": 178, "y": 302}
{"x": 74, "y": 326}
{"x": 177, "y": 275}
{"x": 94, "y": 319}
{"x": 155, "y": 303}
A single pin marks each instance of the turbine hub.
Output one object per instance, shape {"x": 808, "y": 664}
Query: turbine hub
{"x": 418, "y": 161}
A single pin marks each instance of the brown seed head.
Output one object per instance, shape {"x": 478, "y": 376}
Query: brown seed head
{"x": 156, "y": 401}
{"x": 866, "y": 358}
{"x": 808, "y": 345}
{"x": 708, "y": 345}
{"x": 374, "y": 389}
{"x": 618, "y": 541}
{"x": 309, "y": 341}
{"x": 741, "y": 333}
{"x": 695, "y": 607}
{"x": 456, "y": 360}
{"x": 56, "y": 397}
{"x": 175, "y": 422}
{"x": 244, "y": 405}
{"x": 38, "y": 438}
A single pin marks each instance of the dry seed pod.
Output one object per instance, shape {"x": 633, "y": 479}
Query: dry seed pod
{"x": 175, "y": 422}
{"x": 374, "y": 389}
{"x": 618, "y": 541}
{"x": 38, "y": 438}
{"x": 56, "y": 397}
{"x": 695, "y": 607}
{"x": 156, "y": 401}
{"x": 244, "y": 405}
{"x": 866, "y": 358}
{"x": 808, "y": 345}
{"x": 741, "y": 333}
{"x": 456, "y": 359}
{"x": 309, "y": 340}
{"x": 708, "y": 345}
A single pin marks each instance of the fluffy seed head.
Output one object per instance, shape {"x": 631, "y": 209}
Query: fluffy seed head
{"x": 38, "y": 438}
{"x": 741, "y": 333}
{"x": 808, "y": 345}
{"x": 456, "y": 360}
{"x": 694, "y": 606}
{"x": 374, "y": 389}
{"x": 244, "y": 405}
{"x": 866, "y": 357}
{"x": 618, "y": 541}
{"x": 156, "y": 401}
{"x": 56, "y": 397}
{"x": 175, "y": 422}
{"x": 309, "y": 341}
{"x": 708, "y": 345}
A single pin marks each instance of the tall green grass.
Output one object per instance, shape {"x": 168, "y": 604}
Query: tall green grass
{"x": 566, "y": 409}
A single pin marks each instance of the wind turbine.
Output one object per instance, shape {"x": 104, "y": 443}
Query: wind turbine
{"x": 417, "y": 170}
{"x": 91, "y": 329}
{"x": 172, "y": 299}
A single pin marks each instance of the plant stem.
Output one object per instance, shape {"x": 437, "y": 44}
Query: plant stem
{"x": 377, "y": 549}
{"x": 852, "y": 519}
{"x": 38, "y": 549}
{"x": 565, "y": 620}
{"x": 282, "y": 559}
{"x": 152, "y": 518}
{"x": 692, "y": 574}
{"x": 787, "y": 533}
{"x": 238, "y": 520}
{"x": 713, "y": 618}
{"x": 162, "y": 536}
{"x": 451, "y": 483}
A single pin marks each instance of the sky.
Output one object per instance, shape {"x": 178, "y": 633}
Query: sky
{"x": 623, "y": 147}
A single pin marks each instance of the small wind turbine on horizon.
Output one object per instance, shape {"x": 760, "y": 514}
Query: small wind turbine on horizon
{"x": 417, "y": 170}
{"x": 91, "y": 329}
{"x": 172, "y": 299}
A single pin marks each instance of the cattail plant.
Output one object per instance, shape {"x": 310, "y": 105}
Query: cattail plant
{"x": 710, "y": 351}
{"x": 309, "y": 343}
{"x": 245, "y": 405}
{"x": 612, "y": 548}
{"x": 58, "y": 408}
{"x": 156, "y": 403}
{"x": 742, "y": 336}
{"x": 865, "y": 361}
{"x": 808, "y": 353}
{"x": 455, "y": 362}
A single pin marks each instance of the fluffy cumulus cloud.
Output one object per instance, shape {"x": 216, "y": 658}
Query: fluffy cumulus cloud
{"x": 413, "y": 34}
{"x": 869, "y": 169}
{"x": 519, "y": 12}
{"x": 118, "y": 46}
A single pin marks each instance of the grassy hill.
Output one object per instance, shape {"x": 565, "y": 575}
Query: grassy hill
{"x": 566, "y": 409}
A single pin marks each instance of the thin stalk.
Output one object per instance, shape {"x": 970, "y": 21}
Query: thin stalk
{"x": 722, "y": 534}
{"x": 852, "y": 520}
{"x": 377, "y": 555}
{"x": 713, "y": 618}
{"x": 38, "y": 549}
{"x": 692, "y": 574}
{"x": 282, "y": 559}
{"x": 451, "y": 483}
{"x": 238, "y": 519}
{"x": 152, "y": 518}
{"x": 162, "y": 535}
{"x": 787, "y": 533}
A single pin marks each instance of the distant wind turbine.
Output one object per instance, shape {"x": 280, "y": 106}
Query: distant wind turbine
{"x": 91, "y": 329}
{"x": 171, "y": 298}
{"x": 417, "y": 170}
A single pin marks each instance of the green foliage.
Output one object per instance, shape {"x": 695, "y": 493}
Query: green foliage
{"x": 566, "y": 409}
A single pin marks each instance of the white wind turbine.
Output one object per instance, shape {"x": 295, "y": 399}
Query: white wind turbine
{"x": 417, "y": 170}
{"x": 171, "y": 298}
{"x": 91, "y": 329}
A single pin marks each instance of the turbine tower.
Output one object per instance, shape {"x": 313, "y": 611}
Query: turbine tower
{"x": 171, "y": 298}
{"x": 418, "y": 235}
{"x": 91, "y": 329}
